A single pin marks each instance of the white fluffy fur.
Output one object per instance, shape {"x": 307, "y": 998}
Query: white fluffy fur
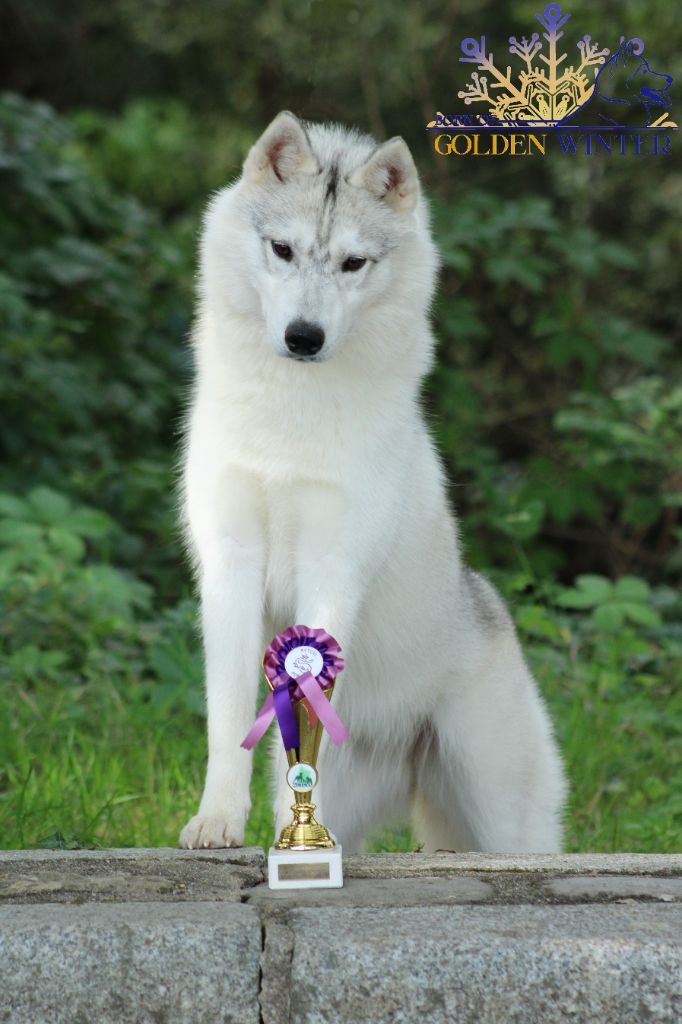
{"x": 313, "y": 494}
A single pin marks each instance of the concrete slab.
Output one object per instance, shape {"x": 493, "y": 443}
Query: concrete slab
{"x": 251, "y": 856}
{"x": 377, "y": 892}
{"x": 500, "y": 965}
{"x": 409, "y": 865}
{"x": 134, "y": 962}
{"x": 584, "y": 887}
{"x": 78, "y": 879}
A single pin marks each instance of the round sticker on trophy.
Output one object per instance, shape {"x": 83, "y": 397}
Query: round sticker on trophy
{"x": 303, "y": 659}
{"x": 301, "y": 777}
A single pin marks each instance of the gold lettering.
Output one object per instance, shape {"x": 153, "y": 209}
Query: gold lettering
{"x": 496, "y": 139}
{"x": 467, "y": 139}
{"x": 477, "y": 152}
{"x": 493, "y": 144}
{"x": 537, "y": 143}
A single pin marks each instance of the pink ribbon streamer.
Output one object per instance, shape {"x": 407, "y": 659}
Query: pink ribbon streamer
{"x": 322, "y": 708}
{"x": 259, "y": 727}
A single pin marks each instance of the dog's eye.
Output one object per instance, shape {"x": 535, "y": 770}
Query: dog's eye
{"x": 353, "y": 263}
{"x": 282, "y": 250}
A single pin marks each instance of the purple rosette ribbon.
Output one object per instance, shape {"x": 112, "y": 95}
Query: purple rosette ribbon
{"x": 299, "y": 664}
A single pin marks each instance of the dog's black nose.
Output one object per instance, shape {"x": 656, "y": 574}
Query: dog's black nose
{"x": 303, "y": 339}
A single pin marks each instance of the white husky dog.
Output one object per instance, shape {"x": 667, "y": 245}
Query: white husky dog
{"x": 313, "y": 494}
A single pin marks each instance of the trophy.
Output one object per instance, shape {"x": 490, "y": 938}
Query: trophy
{"x": 300, "y": 667}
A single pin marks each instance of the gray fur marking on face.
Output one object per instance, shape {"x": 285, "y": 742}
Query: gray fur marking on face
{"x": 332, "y": 182}
{"x": 326, "y": 201}
{"x": 326, "y": 215}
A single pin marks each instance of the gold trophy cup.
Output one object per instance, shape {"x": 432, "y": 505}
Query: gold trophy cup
{"x": 300, "y": 666}
{"x": 304, "y": 832}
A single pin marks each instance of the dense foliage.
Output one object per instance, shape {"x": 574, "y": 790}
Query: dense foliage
{"x": 556, "y": 403}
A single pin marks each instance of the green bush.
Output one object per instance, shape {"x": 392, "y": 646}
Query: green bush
{"x": 156, "y": 150}
{"x": 555, "y": 422}
{"x": 94, "y": 304}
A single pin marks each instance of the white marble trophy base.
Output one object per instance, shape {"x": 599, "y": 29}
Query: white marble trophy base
{"x": 305, "y": 869}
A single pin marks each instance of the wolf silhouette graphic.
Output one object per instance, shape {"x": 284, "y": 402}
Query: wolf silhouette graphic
{"x": 627, "y": 92}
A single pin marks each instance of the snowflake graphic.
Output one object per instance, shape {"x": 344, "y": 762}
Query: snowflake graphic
{"x": 544, "y": 93}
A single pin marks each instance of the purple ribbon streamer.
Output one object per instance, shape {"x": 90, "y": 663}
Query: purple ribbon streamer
{"x": 276, "y": 703}
{"x": 285, "y": 716}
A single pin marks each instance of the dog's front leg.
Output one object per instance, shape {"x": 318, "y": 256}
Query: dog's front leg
{"x": 329, "y": 596}
{"x": 329, "y": 599}
{"x": 333, "y": 563}
{"x": 334, "y": 559}
{"x": 232, "y": 582}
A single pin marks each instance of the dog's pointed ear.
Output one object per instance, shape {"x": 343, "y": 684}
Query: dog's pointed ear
{"x": 390, "y": 174}
{"x": 282, "y": 151}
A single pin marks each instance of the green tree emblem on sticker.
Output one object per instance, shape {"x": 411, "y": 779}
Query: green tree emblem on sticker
{"x": 301, "y": 777}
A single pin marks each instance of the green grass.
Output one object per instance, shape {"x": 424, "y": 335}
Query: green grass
{"x": 105, "y": 764}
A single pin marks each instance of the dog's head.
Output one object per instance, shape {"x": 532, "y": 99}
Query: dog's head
{"x": 323, "y": 227}
{"x": 633, "y": 91}
{"x": 627, "y": 91}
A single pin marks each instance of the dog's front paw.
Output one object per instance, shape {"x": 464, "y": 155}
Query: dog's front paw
{"x": 209, "y": 833}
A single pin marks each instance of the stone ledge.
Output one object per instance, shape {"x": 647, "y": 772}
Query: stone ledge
{"x": 405, "y": 865}
{"x": 619, "y": 887}
{"x": 119, "y": 936}
{"x": 128, "y": 963}
{"x": 494, "y": 964}
{"x": 252, "y": 856}
{"x": 119, "y": 876}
